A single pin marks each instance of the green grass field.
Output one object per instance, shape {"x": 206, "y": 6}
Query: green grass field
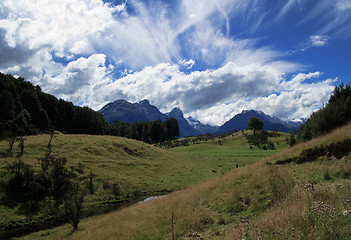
{"x": 262, "y": 200}
{"x": 231, "y": 150}
{"x": 137, "y": 169}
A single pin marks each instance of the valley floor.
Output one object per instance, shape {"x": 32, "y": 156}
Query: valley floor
{"x": 310, "y": 199}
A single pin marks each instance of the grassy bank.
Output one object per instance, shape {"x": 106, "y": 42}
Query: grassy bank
{"x": 311, "y": 200}
{"x": 126, "y": 169}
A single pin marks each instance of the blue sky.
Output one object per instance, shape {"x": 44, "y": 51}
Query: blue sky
{"x": 212, "y": 59}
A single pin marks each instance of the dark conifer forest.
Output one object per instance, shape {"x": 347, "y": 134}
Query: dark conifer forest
{"x": 27, "y": 110}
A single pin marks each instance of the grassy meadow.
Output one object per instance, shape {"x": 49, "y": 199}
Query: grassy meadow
{"x": 125, "y": 169}
{"x": 262, "y": 200}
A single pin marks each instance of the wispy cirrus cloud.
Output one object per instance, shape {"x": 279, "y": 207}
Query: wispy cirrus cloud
{"x": 343, "y": 5}
{"x": 313, "y": 41}
{"x": 203, "y": 56}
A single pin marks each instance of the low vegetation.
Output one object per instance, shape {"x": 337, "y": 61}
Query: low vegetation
{"x": 264, "y": 200}
{"x": 215, "y": 187}
{"x": 107, "y": 170}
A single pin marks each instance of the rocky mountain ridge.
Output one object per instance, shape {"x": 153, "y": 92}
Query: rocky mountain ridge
{"x": 143, "y": 111}
{"x": 122, "y": 110}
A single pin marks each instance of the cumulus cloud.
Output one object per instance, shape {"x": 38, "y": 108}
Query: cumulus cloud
{"x": 176, "y": 54}
{"x": 288, "y": 104}
{"x": 59, "y": 23}
{"x": 30, "y": 32}
{"x": 13, "y": 55}
{"x": 77, "y": 81}
{"x": 214, "y": 96}
{"x": 318, "y": 40}
{"x": 196, "y": 90}
{"x": 77, "y": 74}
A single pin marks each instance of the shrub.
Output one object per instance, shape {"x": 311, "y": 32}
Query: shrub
{"x": 271, "y": 145}
{"x": 73, "y": 202}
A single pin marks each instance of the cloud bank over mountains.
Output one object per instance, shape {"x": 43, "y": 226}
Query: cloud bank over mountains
{"x": 210, "y": 58}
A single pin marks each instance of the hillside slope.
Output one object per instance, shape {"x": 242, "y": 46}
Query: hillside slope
{"x": 122, "y": 110}
{"x": 239, "y": 122}
{"x": 143, "y": 111}
{"x": 311, "y": 200}
{"x": 202, "y": 128}
{"x": 115, "y": 169}
{"x": 185, "y": 129}
{"x": 128, "y": 163}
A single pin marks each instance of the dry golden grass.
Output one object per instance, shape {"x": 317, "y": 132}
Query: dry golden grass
{"x": 196, "y": 209}
{"x": 241, "y": 204}
{"x": 336, "y": 135}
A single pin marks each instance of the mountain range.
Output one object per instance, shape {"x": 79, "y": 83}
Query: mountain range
{"x": 143, "y": 111}
{"x": 122, "y": 110}
{"x": 239, "y": 122}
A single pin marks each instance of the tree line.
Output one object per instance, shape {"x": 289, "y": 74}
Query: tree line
{"x": 26, "y": 110}
{"x": 149, "y": 132}
{"x": 335, "y": 113}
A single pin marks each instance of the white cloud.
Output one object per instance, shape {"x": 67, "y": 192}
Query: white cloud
{"x": 153, "y": 45}
{"x": 214, "y": 96}
{"x": 196, "y": 90}
{"x": 289, "y": 104}
{"x": 30, "y": 32}
{"x": 313, "y": 41}
{"x": 56, "y": 23}
{"x": 187, "y": 64}
{"x": 286, "y": 8}
{"x": 319, "y": 41}
{"x": 77, "y": 81}
{"x": 295, "y": 103}
{"x": 81, "y": 48}
{"x": 335, "y": 16}
{"x": 343, "y": 5}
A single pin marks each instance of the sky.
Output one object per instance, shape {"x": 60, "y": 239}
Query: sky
{"x": 212, "y": 59}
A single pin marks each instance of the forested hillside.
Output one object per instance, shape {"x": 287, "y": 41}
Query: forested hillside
{"x": 26, "y": 110}
{"x": 335, "y": 113}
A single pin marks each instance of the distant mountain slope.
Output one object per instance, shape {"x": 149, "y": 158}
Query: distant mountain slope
{"x": 122, "y": 110}
{"x": 199, "y": 126}
{"x": 185, "y": 128}
{"x": 239, "y": 122}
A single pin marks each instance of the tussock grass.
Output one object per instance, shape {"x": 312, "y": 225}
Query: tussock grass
{"x": 124, "y": 168}
{"x": 258, "y": 201}
{"x": 338, "y": 134}
{"x": 207, "y": 208}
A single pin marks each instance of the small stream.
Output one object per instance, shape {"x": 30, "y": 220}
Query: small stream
{"x": 106, "y": 208}
{"x": 151, "y": 198}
